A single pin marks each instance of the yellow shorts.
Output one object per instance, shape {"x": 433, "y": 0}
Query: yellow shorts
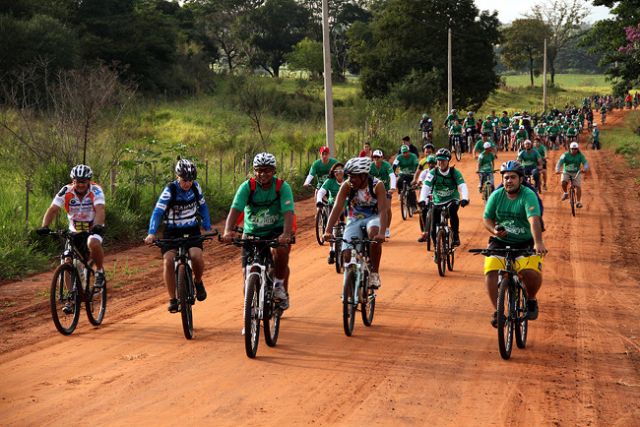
{"x": 494, "y": 263}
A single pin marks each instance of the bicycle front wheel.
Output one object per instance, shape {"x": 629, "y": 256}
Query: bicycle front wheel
{"x": 348, "y": 302}
{"x": 522, "y": 322}
{"x": 458, "y": 151}
{"x": 271, "y": 325}
{"x": 182, "y": 283}
{"x": 320, "y": 223}
{"x": 451, "y": 254}
{"x": 404, "y": 209}
{"x": 368, "y": 304}
{"x": 441, "y": 252}
{"x": 505, "y": 320}
{"x": 251, "y": 320}
{"x": 338, "y": 257}
{"x": 96, "y": 300}
{"x": 64, "y": 299}
{"x": 572, "y": 200}
{"x": 427, "y": 226}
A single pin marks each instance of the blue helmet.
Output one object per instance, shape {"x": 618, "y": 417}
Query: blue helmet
{"x": 512, "y": 166}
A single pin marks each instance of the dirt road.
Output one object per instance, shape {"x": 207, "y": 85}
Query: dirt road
{"x": 431, "y": 356}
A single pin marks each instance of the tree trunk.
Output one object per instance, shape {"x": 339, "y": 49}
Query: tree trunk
{"x": 531, "y": 68}
{"x": 276, "y": 70}
{"x": 553, "y": 72}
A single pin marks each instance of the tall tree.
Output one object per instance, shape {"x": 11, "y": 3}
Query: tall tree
{"x": 523, "y": 45}
{"x": 565, "y": 18}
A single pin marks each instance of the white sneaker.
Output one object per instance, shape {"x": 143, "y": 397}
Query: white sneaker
{"x": 374, "y": 280}
{"x": 387, "y": 233}
{"x": 280, "y": 295}
{"x": 565, "y": 196}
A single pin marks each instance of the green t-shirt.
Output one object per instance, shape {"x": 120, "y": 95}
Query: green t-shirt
{"x": 407, "y": 165}
{"x": 539, "y": 130}
{"x": 456, "y": 129}
{"x": 443, "y": 187}
{"x": 487, "y": 126}
{"x": 572, "y": 131}
{"x": 383, "y": 173}
{"x": 265, "y": 214}
{"x": 469, "y": 122}
{"x": 553, "y": 130}
{"x": 529, "y": 158}
{"x": 332, "y": 186}
{"x": 450, "y": 118}
{"x": 596, "y": 134}
{"x": 479, "y": 147}
{"x": 321, "y": 171}
{"x": 571, "y": 163}
{"x": 504, "y": 122}
{"x": 485, "y": 162}
{"x": 542, "y": 150}
{"x": 522, "y": 134}
{"x": 513, "y": 214}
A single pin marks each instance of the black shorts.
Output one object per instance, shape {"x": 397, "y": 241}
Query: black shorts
{"x": 79, "y": 241}
{"x": 181, "y": 232}
{"x": 497, "y": 244}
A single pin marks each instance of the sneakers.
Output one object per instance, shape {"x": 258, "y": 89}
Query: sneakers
{"x": 532, "y": 309}
{"x": 423, "y": 238}
{"x": 331, "y": 258}
{"x": 456, "y": 241}
{"x": 494, "y": 319}
{"x": 173, "y": 305}
{"x": 374, "y": 281}
{"x": 565, "y": 196}
{"x": 100, "y": 280}
{"x": 387, "y": 233}
{"x": 280, "y": 295}
{"x": 201, "y": 293}
{"x": 578, "y": 205}
{"x": 68, "y": 308}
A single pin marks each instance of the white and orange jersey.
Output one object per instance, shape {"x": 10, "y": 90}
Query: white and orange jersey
{"x": 80, "y": 210}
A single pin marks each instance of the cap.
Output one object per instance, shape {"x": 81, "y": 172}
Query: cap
{"x": 324, "y": 149}
{"x": 404, "y": 148}
{"x": 573, "y": 145}
{"x": 487, "y": 145}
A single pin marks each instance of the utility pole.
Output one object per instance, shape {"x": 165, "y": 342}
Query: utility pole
{"x": 449, "y": 77}
{"x": 544, "y": 77}
{"x": 328, "y": 90}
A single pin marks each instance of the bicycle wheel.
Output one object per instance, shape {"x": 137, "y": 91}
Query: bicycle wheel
{"x": 404, "y": 209}
{"x": 64, "y": 299}
{"x": 428, "y": 228}
{"x": 348, "y": 305}
{"x": 486, "y": 191}
{"x": 572, "y": 200}
{"x": 182, "y": 292}
{"x": 522, "y": 323}
{"x": 441, "y": 251}
{"x": 95, "y": 300}
{"x": 458, "y": 151}
{"x": 251, "y": 320}
{"x": 320, "y": 222}
{"x": 505, "y": 321}
{"x": 271, "y": 325}
{"x": 338, "y": 257}
{"x": 410, "y": 207}
{"x": 368, "y": 303}
{"x": 451, "y": 254}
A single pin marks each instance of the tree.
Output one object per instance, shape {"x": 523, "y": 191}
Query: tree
{"x": 565, "y": 18}
{"x": 408, "y": 35}
{"x": 523, "y": 45}
{"x": 307, "y": 56}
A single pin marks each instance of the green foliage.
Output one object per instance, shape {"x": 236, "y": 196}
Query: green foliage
{"x": 523, "y": 45}
{"x": 625, "y": 140}
{"x": 418, "y": 89}
{"x": 306, "y": 56}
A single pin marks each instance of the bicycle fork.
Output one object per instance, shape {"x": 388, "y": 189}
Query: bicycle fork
{"x": 262, "y": 276}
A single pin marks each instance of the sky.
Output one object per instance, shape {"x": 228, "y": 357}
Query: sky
{"x": 508, "y": 10}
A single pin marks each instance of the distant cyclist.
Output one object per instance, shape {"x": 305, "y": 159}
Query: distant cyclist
{"x": 595, "y": 137}
{"x": 330, "y": 190}
{"x": 531, "y": 161}
{"x": 178, "y": 207}
{"x": 406, "y": 140}
{"x": 320, "y": 168}
{"x": 405, "y": 166}
{"x": 383, "y": 171}
{"x": 539, "y": 146}
{"x": 426, "y": 128}
{"x": 485, "y": 165}
{"x": 570, "y": 163}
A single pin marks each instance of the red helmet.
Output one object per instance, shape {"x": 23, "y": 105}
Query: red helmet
{"x": 324, "y": 149}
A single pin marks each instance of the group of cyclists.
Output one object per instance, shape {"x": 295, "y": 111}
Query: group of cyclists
{"x": 359, "y": 192}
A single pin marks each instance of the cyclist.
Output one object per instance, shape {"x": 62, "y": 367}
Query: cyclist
{"x": 367, "y": 207}
{"x": 383, "y": 171}
{"x": 603, "y": 113}
{"x": 330, "y": 188}
{"x": 512, "y": 216}
{"x": 83, "y": 201}
{"x": 572, "y": 133}
{"x": 428, "y": 150}
{"x": 424, "y": 207}
{"x": 595, "y": 135}
{"x": 178, "y": 205}
{"x": 479, "y": 147}
{"x": 453, "y": 115}
{"x": 366, "y": 150}
{"x": 504, "y": 123}
{"x": 406, "y": 140}
{"x": 469, "y": 125}
{"x": 446, "y": 184}
{"x": 320, "y": 168}
{"x": 572, "y": 162}
{"x": 552, "y": 134}
{"x": 520, "y": 136}
{"x": 426, "y": 127}
{"x": 537, "y": 145}
{"x": 531, "y": 161}
{"x": 267, "y": 204}
{"x": 455, "y": 131}
{"x": 485, "y": 165}
{"x": 406, "y": 163}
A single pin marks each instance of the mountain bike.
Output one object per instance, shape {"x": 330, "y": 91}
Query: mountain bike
{"x": 512, "y": 300}
{"x": 486, "y": 188}
{"x": 407, "y": 208}
{"x": 355, "y": 288}
{"x": 470, "y": 144}
{"x": 456, "y": 147}
{"x": 185, "y": 287}
{"x": 504, "y": 139}
{"x": 444, "y": 249}
{"x": 259, "y": 301}
{"x": 72, "y": 283}
{"x": 336, "y": 246}
{"x": 572, "y": 193}
{"x": 322, "y": 215}
{"x": 426, "y": 219}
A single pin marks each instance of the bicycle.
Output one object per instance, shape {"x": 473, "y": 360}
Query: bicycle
{"x": 486, "y": 188}
{"x": 185, "y": 287}
{"x": 338, "y": 231}
{"x": 355, "y": 289}
{"x": 572, "y": 193}
{"x": 72, "y": 283}
{"x": 322, "y": 215}
{"x": 455, "y": 142}
{"x": 259, "y": 301}
{"x": 407, "y": 209}
{"x": 504, "y": 139}
{"x": 444, "y": 249}
{"x": 530, "y": 177}
{"x": 512, "y": 300}
{"x": 426, "y": 219}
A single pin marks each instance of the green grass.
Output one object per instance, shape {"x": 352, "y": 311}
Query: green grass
{"x": 595, "y": 83}
{"x": 625, "y": 141}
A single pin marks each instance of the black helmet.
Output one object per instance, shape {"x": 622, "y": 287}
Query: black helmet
{"x": 81, "y": 172}
{"x": 443, "y": 154}
{"x": 185, "y": 169}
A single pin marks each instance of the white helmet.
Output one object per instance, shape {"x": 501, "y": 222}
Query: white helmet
{"x": 527, "y": 141}
{"x": 595, "y": 125}
{"x": 81, "y": 172}
{"x": 185, "y": 169}
{"x": 487, "y": 145}
{"x": 358, "y": 165}
{"x": 573, "y": 145}
{"x": 264, "y": 159}
{"x": 521, "y": 126}
{"x": 378, "y": 153}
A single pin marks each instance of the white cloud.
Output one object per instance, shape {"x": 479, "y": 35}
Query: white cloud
{"x": 508, "y": 10}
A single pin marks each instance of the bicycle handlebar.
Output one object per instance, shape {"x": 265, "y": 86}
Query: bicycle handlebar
{"x": 503, "y": 252}
{"x": 180, "y": 241}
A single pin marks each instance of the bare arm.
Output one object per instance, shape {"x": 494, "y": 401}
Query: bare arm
{"x": 381, "y": 195}
{"x": 338, "y": 207}
{"x": 232, "y": 218}
{"x": 100, "y": 214}
{"x": 288, "y": 225}
{"x": 536, "y": 230}
{"x": 49, "y": 215}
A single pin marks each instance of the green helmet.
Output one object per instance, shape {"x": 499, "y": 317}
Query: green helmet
{"x": 404, "y": 148}
{"x": 431, "y": 159}
{"x": 425, "y": 116}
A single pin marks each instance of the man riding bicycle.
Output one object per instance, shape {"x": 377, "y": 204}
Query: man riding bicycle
{"x": 366, "y": 200}
{"x": 537, "y": 145}
{"x": 406, "y": 163}
{"x": 330, "y": 190}
{"x": 84, "y": 203}
{"x": 446, "y": 184}
{"x": 320, "y": 168}
{"x": 572, "y": 162}
{"x": 512, "y": 216}
{"x": 178, "y": 207}
{"x": 485, "y": 166}
{"x": 426, "y": 128}
{"x": 595, "y": 137}
{"x": 455, "y": 131}
{"x": 383, "y": 171}
{"x": 267, "y": 205}
{"x": 531, "y": 161}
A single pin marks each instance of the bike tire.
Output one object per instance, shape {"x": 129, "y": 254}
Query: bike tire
{"x": 403, "y": 206}
{"x": 458, "y": 151}
{"x": 505, "y": 322}
{"x": 368, "y": 304}
{"x": 441, "y": 252}
{"x": 486, "y": 191}
{"x": 320, "y": 223}
{"x": 251, "y": 320}
{"x": 271, "y": 326}
{"x": 186, "y": 312}
{"x": 61, "y": 293}
{"x": 572, "y": 201}
{"x": 522, "y": 322}
{"x": 428, "y": 227}
{"x": 95, "y": 302}
{"x": 348, "y": 307}
{"x": 338, "y": 257}
{"x": 451, "y": 254}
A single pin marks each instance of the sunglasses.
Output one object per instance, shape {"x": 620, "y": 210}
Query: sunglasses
{"x": 82, "y": 181}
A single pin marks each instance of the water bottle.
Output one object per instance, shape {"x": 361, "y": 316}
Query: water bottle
{"x": 82, "y": 273}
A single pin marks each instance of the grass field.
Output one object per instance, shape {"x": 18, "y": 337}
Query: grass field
{"x": 584, "y": 82}
{"x": 625, "y": 141}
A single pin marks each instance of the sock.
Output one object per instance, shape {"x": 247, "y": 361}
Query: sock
{"x": 100, "y": 270}
{"x": 278, "y": 283}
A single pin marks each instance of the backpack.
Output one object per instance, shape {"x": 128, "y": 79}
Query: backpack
{"x": 253, "y": 184}
{"x": 451, "y": 175}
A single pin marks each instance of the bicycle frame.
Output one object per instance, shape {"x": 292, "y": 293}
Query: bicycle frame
{"x": 259, "y": 267}
{"x": 360, "y": 262}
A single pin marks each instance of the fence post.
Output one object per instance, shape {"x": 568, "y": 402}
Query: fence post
{"x": 114, "y": 174}
{"x": 26, "y": 210}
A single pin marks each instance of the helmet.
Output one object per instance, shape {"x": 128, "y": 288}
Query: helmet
{"x": 378, "y": 153}
{"x": 517, "y": 113}
{"x": 512, "y": 166}
{"x": 521, "y": 127}
{"x": 487, "y": 145}
{"x": 264, "y": 159}
{"x": 185, "y": 169}
{"x": 526, "y": 141}
{"x": 431, "y": 158}
{"x": 81, "y": 172}
{"x": 488, "y": 117}
{"x": 453, "y": 111}
{"x": 324, "y": 149}
{"x": 425, "y": 116}
{"x": 357, "y": 165}
{"x": 443, "y": 154}
{"x": 595, "y": 125}
{"x": 469, "y": 113}
{"x": 573, "y": 145}
{"x": 428, "y": 145}
{"x": 404, "y": 148}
